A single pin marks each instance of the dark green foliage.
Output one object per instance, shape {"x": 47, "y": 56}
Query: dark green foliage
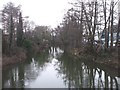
{"x": 7, "y": 10}
{"x": 20, "y": 31}
{"x": 9, "y": 20}
{"x": 11, "y": 32}
{"x": 4, "y": 44}
{"x": 27, "y": 44}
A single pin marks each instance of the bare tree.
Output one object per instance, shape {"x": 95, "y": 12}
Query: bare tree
{"x": 112, "y": 13}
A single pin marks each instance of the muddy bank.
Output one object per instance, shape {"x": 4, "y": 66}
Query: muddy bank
{"x": 110, "y": 60}
{"x": 108, "y": 63}
{"x": 20, "y": 56}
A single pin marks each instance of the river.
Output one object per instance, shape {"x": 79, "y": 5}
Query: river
{"x": 55, "y": 69}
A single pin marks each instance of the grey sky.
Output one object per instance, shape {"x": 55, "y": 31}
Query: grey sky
{"x": 42, "y": 12}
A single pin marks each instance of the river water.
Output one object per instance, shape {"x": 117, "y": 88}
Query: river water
{"x": 56, "y": 69}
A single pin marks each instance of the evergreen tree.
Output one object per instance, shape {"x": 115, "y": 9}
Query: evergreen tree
{"x": 11, "y": 32}
{"x": 20, "y": 31}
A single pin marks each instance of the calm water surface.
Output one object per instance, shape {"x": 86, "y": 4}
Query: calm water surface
{"x": 56, "y": 69}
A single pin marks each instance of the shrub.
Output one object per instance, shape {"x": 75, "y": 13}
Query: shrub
{"x": 27, "y": 44}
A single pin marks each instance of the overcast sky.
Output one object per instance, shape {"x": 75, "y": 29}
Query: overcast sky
{"x": 42, "y": 12}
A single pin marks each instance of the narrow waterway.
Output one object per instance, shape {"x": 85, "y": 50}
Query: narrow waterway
{"x": 56, "y": 69}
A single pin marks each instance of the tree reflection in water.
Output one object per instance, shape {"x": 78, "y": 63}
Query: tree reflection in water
{"x": 24, "y": 73}
{"x": 77, "y": 74}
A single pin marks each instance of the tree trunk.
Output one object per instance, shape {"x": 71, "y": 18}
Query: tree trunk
{"x": 11, "y": 33}
{"x": 112, "y": 7}
{"x": 118, "y": 31}
{"x": 106, "y": 36}
{"x": 94, "y": 28}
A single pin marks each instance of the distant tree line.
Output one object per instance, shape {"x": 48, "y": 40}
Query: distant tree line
{"x": 84, "y": 26}
{"x": 19, "y": 32}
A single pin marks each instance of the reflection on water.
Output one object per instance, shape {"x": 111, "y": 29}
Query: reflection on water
{"x": 56, "y": 69}
{"x": 78, "y": 75}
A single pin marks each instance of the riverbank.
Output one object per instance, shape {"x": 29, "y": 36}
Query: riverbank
{"x": 109, "y": 60}
{"x": 18, "y": 57}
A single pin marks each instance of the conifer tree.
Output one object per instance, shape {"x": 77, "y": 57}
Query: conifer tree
{"x": 20, "y": 31}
